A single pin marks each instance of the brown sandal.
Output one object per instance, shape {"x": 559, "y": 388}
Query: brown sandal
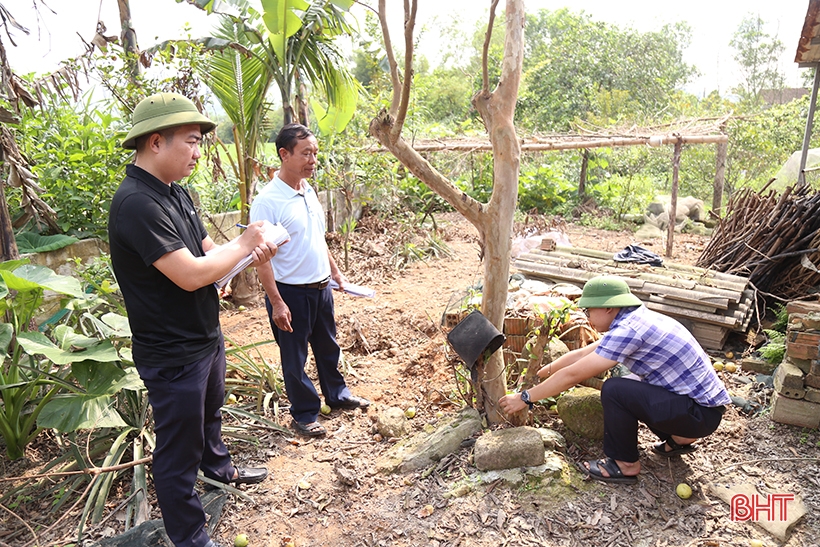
{"x": 312, "y": 429}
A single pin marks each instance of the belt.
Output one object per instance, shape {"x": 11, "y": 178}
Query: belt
{"x": 318, "y": 285}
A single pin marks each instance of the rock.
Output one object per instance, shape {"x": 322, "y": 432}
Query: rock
{"x": 425, "y": 449}
{"x": 346, "y": 476}
{"x": 648, "y": 231}
{"x": 555, "y": 349}
{"x": 552, "y": 439}
{"x": 509, "y": 448}
{"x": 553, "y": 467}
{"x": 582, "y": 412}
{"x": 391, "y": 422}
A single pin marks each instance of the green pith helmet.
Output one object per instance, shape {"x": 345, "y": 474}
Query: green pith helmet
{"x": 161, "y": 111}
{"x": 607, "y": 292}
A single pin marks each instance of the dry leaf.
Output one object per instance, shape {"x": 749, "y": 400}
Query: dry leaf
{"x": 426, "y": 511}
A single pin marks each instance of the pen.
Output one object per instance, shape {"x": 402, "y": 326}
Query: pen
{"x": 240, "y": 225}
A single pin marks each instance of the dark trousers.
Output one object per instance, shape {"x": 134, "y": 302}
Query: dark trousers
{"x": 627, "y": 402}
{"x": 188, "y": 428}
{"x": 313, "y": 322}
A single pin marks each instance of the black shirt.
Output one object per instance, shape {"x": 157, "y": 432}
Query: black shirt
{"x": 170, "y": 326}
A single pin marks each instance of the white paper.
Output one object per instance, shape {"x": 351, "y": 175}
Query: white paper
{"x": 274, "y": 233}
{"x": 355, "y": 290}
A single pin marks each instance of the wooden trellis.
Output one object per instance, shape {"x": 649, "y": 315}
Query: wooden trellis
{"x": 691, "y": 132}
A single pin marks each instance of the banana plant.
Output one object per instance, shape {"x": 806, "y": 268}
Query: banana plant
{"x": 71, "y": 374}
{"x": 26, "y": 383}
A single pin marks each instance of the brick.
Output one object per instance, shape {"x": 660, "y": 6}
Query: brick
{"x": 797, "y": 412}
{"x": 802, "y": 306}
{"x": 788, "y": 381}
{"x": 815, "y": 368}
{"x": 760, "y": 366}
{"x": 802, "y": 364}
{"x": 804, "y": 337}
{"x": 813, "y": 380}
{"x": 801, "y": 351}
{"x": 812, "y": 395}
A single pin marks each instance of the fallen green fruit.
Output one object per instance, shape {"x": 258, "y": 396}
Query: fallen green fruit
{"x": 241, "y": 540}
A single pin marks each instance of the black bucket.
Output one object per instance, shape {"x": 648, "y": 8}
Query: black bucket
{"x": 473, "y": 336}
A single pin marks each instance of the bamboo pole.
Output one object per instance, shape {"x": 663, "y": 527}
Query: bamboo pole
{"x": 673, "y": 205}
{"x": 656, "y": 140}
{"x": 720, "y": 174}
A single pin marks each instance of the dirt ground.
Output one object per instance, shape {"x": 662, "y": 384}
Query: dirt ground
{"x": 328, "y": 492}
{"x": 396, "y": 355}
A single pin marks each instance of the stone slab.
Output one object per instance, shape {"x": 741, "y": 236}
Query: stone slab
{"x": 425, "y": 449}
{"x": 795, "y": 412}
{"x": 759, "y": 366}
{"x": 813, "y": 380}
{"x": 509, "y": 448}
{"x": 780, "y": 529}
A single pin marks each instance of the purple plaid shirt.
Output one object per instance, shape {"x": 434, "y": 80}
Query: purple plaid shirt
{"x": 663, "y": 353}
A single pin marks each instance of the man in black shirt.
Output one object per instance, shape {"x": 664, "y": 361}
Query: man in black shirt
{"x": 166, "y": 266}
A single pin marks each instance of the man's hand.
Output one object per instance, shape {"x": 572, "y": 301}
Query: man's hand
{"x": 281, "y": 315}
{"x": 263, "y": 253}
{"x": 253, "y": 236}
{"x": 253, "y": 239}
{"x": 511, "y": 403}
{"x": 340, "y": 279}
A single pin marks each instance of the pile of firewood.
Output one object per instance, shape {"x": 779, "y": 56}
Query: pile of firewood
{"x": 773, "y": 239}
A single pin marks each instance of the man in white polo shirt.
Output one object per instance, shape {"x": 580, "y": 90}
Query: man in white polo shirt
{"x": 298, "y": 297}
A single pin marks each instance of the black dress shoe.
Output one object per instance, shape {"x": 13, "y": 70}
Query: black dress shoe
{"x": 350, "y": 403}
{"x": 250, "y": 475}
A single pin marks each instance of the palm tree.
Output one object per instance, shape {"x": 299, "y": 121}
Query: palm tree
{"x": 290, "y": 43}
{"x": 294, "y": 40}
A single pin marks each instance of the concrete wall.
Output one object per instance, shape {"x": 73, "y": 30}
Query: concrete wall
{"x": 221, "y": 228}
{"x": 60, "y": 260}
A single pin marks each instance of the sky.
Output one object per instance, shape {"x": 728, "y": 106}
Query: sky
{"x": 54, "y": 37}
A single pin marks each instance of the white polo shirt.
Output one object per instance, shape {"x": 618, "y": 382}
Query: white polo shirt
{"x": 304, "y": 259}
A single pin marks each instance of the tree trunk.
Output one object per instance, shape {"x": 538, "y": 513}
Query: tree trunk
{"x": 582, "y": 184}
{"x": 301, "y": 103}
{"x": 245, "y": 287}
{"x": 8, "y": 245}
{"x": 493, "y": 220}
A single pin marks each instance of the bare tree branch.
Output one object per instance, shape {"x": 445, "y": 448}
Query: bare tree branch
{"x": 391, "y": 60}
{"x": 410, "y": 8}
{"x": 485, "y": 72}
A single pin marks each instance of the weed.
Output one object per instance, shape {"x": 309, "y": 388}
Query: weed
{"x": 774, "y": 350}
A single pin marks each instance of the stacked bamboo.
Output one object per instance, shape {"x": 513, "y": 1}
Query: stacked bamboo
{"x": 772, "y": 239}
{"x": 710, "y": 304}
